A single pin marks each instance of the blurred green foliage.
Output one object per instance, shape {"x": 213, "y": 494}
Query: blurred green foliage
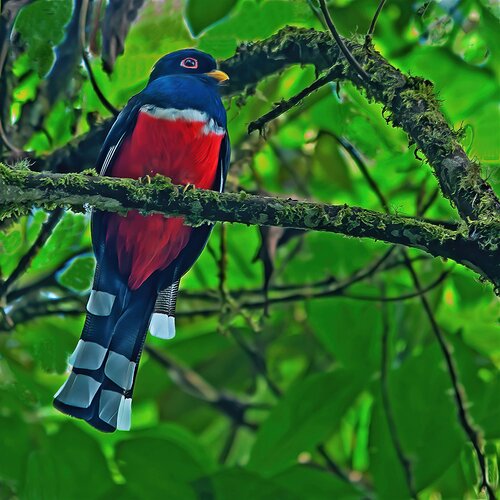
{"x": 311, "y": 369}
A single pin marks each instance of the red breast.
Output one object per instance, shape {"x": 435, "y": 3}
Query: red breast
{"x": 182, "y": 145}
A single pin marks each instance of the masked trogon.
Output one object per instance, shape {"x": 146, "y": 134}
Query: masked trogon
{"x": 176, "y": 127}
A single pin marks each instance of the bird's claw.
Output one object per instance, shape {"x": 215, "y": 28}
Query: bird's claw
{"x": 187, "y": 187}
{"x": 145, "y": 180}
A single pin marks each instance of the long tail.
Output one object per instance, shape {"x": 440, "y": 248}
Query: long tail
{"x": 104, "y": 363}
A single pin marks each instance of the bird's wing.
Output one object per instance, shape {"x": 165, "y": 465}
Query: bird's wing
{"x": 224, "y": 162}
{"x": 122, "y": 127}
{"x": 124, "y": 124}
{"x": 199, "y": 235}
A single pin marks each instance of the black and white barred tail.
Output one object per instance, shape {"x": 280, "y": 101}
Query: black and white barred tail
{"x": 104, "y": 364}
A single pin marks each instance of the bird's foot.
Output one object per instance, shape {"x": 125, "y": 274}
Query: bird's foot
{"x": 187, "y": 187}
{"x": 145, "y": 180}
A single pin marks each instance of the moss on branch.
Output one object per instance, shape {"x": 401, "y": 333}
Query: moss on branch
{"x": 410, "y": 101}
{"x": 23, "y": 189}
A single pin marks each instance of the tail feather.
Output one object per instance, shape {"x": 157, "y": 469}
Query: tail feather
{"x": 104, "y": 363}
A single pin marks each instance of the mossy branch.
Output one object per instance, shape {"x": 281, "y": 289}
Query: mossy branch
{"x": 410, "y": 101}
{"x": 22, "y": 189}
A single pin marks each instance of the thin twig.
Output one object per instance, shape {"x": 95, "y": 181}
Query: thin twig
{"x": 407, "y": 296}
{"x": 259, "y": 363}
{"x": 301, "y": 293}
{"x": 28, "y": 257}
{"x": 42, "y": 305}
{"x": 355, "y": 155}
{"x": 350, "y": 58}
{"x": 286, "y": 105}
{"x": 463, "y": 416}
{"x": 373, "y": 24}
{"x": 49, "y": 280}
{"x": 331, "y": 465}
{"x": 228, "y": 444}
{"x": 391, "y": 423}
{"x": 195, "y": 385}
{"x": 211, "y": 296}
{"x": 232, "y": 306}
{"x": 327, "y": 282}
{"x": 8, "y": 144}
{"x": 95, "y": 85}
{"x": 358, "y": 276}
{"x": 223, "y": 262}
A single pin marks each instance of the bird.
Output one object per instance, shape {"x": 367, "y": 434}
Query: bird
{"x": 177, "y": 127}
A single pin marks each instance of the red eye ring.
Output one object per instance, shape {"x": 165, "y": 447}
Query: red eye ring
{"x": 189, "y": 63}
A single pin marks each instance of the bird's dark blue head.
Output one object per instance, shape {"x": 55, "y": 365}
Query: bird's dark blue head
{"x": 188, "y": 62}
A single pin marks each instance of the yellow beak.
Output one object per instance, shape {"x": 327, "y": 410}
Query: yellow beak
{"x": 219, "y": 75}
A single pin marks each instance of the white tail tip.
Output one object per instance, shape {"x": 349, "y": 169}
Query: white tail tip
{"x": 162, "y": 326}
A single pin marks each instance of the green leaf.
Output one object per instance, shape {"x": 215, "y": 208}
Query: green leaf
{"x": 425, "y": 421}
{"x": 49, "y": 340}
{"x": 65, "y": 240}
{"x": 310, "y": 411}
{"x": 41, "y": 26}
{"x": 484, "y": 122}
{"x": 252, "y": 20}
{"x": 16, "y": 241}
{"x": 70, "y": 464}
{"x": 342, "y": 326}
{"x": 460, "y": 478}
{"x": 14, "y": 436}
{"x": 172, "y": 459}
{"x": 309, "y": 482}
{"x": 78, "y": 275}
{"x": 199, "y": 15}
{"x": 242, "y": 484}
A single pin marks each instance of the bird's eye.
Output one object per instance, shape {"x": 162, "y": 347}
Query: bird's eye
{"x": 189, "y": 63}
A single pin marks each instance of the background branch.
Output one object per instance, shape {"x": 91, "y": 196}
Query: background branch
{"x": 26, "y": 260}
{"x": 350, "y": 58}
{"x": 458, "y": 394}
{"x": 386, "y": 402}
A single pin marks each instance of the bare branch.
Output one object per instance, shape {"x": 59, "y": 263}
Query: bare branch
{"x": 399, "y": 298}
{"x": 391, "y": 423}
{"x": 284, "y": 106}
{"x": 458, "y": 394}
{"x": 96, "y": 87}
{"x": 27, "y": 258}
{"x": 373, "y": 24}
{"x": 352, "y": 61}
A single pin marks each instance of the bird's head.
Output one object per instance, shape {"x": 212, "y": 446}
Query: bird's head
{"x": 188, "y": 62}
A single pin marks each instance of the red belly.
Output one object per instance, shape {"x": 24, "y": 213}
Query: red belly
{"x": 178, "y": 149}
